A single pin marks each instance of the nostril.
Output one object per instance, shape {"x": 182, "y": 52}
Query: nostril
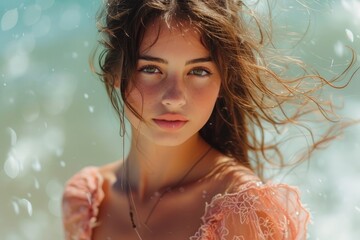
{"x": 174, "y": 100}
{"x": 174, "y": 92}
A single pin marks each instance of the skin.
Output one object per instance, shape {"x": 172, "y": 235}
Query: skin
{"x": 175, "y": 79}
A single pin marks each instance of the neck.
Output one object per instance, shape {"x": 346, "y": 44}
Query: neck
{"x": 154, "y": 168}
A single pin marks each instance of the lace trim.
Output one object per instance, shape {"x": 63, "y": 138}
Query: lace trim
{"x": 253, "y": 211}
{"x": 256, "y": 211}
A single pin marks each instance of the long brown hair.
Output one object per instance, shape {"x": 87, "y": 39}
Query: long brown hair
{"x": 254, "y": 93}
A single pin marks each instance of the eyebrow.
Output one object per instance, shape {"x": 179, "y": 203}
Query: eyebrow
{"x": 163, "y": 61}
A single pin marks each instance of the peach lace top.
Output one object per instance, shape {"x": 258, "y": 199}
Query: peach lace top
{"x": 254, "y": 211}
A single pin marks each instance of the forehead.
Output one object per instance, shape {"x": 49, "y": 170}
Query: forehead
{"x": 161, "y": 34}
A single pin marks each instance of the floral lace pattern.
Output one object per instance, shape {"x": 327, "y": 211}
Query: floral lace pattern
{"x": 253, "y": 211}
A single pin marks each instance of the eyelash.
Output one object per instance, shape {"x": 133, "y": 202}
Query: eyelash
{"x": 207, "y": 72}
{"x": 191, "y": 72}
{"x": 146, "y": 67}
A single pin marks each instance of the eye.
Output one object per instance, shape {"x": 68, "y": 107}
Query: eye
{"x": 149, "y": 69}
{"x": 199, "y": 72}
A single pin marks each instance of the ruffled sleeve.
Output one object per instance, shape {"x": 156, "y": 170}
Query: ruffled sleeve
{"x": 81, "y": 199}
{"x": 255, "y": 212}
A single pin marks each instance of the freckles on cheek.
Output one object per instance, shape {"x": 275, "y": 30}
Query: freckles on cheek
{"x": 206, "y": 95}
{"x": 134, "y": 97}
{"x": 140, "y": 99}
{"x": 141, "y": 93}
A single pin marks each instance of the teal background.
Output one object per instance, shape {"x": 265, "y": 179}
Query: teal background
{"x": 55, "y": 117}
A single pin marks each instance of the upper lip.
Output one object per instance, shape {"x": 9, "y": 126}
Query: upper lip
{"x": 171, "y": 117}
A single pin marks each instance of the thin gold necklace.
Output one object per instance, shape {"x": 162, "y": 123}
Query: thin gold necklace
{"x": 131, "y": 202}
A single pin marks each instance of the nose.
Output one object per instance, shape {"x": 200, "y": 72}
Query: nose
{"x": 174, "y": 95}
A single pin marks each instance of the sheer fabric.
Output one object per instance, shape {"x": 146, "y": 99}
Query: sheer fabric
{"x": 255, "y": 212}
{"x": 252, "y": 211}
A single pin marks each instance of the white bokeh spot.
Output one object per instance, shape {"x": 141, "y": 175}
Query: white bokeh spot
{"x": 9, "y": 19}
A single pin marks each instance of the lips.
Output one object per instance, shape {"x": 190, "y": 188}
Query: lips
{"x": 170, "y": 121}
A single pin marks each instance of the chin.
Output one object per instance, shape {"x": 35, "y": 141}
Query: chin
{"x": 168, "y": 142}
{"x": 170, "y": 139}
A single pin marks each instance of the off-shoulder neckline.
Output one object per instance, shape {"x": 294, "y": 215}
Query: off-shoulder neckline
{"x": 208, "y": 208}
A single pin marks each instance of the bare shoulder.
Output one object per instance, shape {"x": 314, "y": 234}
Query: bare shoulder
{"x": 230, "y": 173}
{"x": 108, "y": 171}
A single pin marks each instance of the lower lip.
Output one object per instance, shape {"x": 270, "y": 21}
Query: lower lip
{"x": 170, "y": 125}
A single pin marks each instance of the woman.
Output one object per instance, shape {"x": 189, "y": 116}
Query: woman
{"x": 191, "y": 79}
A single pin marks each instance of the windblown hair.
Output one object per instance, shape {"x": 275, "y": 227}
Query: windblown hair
{"x": 254, "y": 94}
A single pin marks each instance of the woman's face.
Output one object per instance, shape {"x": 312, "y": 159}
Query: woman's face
{"x": 176, "y": 85}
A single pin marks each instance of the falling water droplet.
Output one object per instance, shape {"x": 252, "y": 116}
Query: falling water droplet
{"x": 36, "y": 183}
{"x": 11, "y": 167}
{"x": 36, "y": 165}
{"x": 86, "y": 96}
{"x": 13, "y": 136}
{"x": 15, "y": 207}
{"x": 9, "y": 19}
{"x": 27, "y": 205}
{"x": 91, "y": 109}
{"x": 350, "y": 35}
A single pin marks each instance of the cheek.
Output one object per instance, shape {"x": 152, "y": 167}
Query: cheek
{"x": 139, "y": 98}
{"x": 134, "y": 98}
{"x": 207, "y": 95}
{"x": 205, "y": 101}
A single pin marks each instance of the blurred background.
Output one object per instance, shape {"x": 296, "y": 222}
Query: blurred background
{"x": 55, "y": 117}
